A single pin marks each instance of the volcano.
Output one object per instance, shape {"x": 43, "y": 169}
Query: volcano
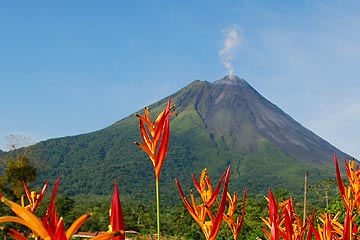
{"x": 219, "y": 123}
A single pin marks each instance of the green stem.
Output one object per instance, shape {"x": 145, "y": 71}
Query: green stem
{"x": 157, "y": 208}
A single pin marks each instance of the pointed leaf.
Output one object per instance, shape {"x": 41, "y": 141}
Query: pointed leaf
{"x": 41, "y": 195}
{"x": 311, "y": 228}
{"x": 163, "y": 148}
{"x": 27, "y": 191}
{"x": 117, "y": 219}
{"x": 27, "y": 219}
{"x": 219, "y": 216}
{"x": 60, "y": 231}
{"x": 51, "y": 207}
{"x": 339, "y": 180}
{"x": 216, "y": 191}
{"x": 14, "y": 234}
{"x": 76, "y": 225}
{"x": 241, "y": 220}
{"x": 196, "y": 183}
{"x": 347, "y": 225}
{"x": 108, "y": 235}
{"x": 188, "y": 205}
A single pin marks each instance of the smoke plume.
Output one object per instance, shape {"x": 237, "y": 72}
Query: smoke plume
{"x": 233, "y": 38}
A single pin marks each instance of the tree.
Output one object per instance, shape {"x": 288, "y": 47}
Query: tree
{"x": 325, "y": 189}
{"x": 19, "y": 170}
{"x": 64, "y": 205}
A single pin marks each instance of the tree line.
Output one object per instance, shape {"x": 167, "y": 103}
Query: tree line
{"x": 139, "y": 216}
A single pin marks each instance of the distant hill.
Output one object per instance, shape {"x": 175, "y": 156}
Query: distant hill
{"x": 219, "y": 123}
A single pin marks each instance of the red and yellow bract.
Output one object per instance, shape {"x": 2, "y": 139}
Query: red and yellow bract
{"x": 51, "y": 227}
{"x": 116, "y": 216}
{"x": 229, "y": 216}
{"x": 202, "y": 213}
{"x": 283, "y": 222}
{"x": 155, "y": 136}
{"x": 33, "y": 198}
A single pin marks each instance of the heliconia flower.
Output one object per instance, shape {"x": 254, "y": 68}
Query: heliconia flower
{"x": 274, "y": 219}
{"x": 229, "y": 216}
{"x": 283, "y": 222}
{"x": 328, "y": 227}
{"x": 50, "y": 220}
{"x": 43, "y": 230}
{"x": 205, "y": 190}
{"x": 311, "y": 228}
{"x": 202, "y": 213}
{"x": 351, "y": 194}
{"x": 33, "y": 198}
{"x": 208, "y": 196}
{"x": 116, "y": 215}
{"x": 294, "y": 228}
{"x": 155, "y": 136}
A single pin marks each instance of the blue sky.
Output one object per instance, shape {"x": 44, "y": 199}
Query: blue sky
{"x": 73, "y": 67}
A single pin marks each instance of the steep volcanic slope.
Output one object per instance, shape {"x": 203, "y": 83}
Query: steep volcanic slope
{"x": 238, "y": 115}
{"x": 219, "y": 123}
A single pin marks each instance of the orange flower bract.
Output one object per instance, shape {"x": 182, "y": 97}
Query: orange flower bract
{"x": 50, "y": 228}
{"x": 202, "y": 214}
{"x": 155, "y": 136}
{"x": 229, "y": 216}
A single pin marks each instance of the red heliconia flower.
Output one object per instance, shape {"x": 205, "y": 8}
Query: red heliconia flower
{"x": 33, "y": 198}
{"x": 50, "y": 228}
{"x": 274, "y": 219}
{"x": 205, "y": 190}
{"x": 311, "y": 228}
{"x": 202, "y": 213}
{"x": 116, "y": 215}
{"x": 51, "y": 219}
{"x": 351, "y": 194}
{"x": 228, "y": 217}
{"x": 155, "y": 136}
{"x": 283, "y": 222}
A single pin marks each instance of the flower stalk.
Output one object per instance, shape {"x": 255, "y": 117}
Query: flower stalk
{"x": 155, "y": 136}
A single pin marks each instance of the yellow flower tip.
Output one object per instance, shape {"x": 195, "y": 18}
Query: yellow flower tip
{"x": 33, "y": 194}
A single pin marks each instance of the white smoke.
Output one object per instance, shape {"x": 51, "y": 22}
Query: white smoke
{"x": 233, "y": 38}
